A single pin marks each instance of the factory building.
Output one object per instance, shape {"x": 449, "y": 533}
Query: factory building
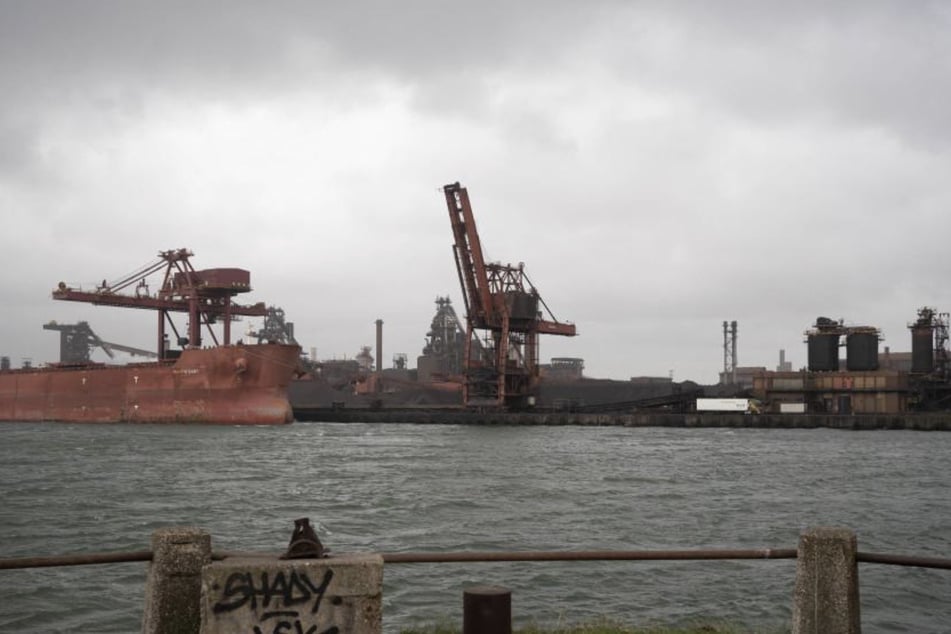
{"x": 864, "y": 382}
{"x": 743, "y": 377}
{"x": 845, "y": 392}
{"x": 563, "y": 369}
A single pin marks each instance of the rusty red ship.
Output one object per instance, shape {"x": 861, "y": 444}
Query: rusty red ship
{"x": 213, "y": 382}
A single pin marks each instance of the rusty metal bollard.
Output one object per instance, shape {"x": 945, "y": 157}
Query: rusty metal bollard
{"x": 487, "y": 610}
{"x": 304, "y": 542}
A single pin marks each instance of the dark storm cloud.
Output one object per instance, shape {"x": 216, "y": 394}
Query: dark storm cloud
{"x": 112, "y": 60}
{"x": 881, "y": 63}
{"x": 658, "y": 165}
{"x": 252, "y": 42}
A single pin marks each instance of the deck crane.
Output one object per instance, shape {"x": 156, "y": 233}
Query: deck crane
{"x": 502, "y": 303}
{"x": 204, "y": 295}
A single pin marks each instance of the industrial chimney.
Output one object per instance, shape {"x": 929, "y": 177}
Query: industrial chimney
{"x": 379, "y": 346}
{"x": 729, "y": 353}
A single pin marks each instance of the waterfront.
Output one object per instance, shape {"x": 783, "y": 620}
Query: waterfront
{"x": 378, "y": 487}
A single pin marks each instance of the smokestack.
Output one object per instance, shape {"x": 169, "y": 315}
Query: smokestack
{"x": 379, "y": 346}
{"x": 733, "y": 328}
{"x": 726, "y": 353}
{"x": 729, "y": 353}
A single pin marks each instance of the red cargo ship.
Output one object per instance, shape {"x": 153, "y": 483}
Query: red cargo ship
{"x": 222, "y": 383}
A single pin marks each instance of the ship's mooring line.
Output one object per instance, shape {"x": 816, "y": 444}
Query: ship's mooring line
{"x": 489, "y": 557}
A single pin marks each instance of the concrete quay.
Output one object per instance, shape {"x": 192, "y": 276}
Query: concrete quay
{"x": 918, "y": 421}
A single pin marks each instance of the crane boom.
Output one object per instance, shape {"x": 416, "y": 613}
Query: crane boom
{"x": 501, "y": 301}
{"x": 467, "y": 249}
{"x": 108, "y": 346}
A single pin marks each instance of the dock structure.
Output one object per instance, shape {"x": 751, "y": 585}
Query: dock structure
{"x": 914, "y": 421}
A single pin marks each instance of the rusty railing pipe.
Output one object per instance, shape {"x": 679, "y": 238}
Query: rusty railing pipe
{"x": 587, "y": 555}
{"x": 488, "y": 557}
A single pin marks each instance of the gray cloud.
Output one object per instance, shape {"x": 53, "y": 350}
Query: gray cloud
{"x": 659, "y": 167}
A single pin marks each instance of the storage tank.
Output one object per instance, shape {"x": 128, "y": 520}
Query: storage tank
{"x": 922, "y": 349}
{"x": 823, "y": 349}
{"x": 861, "y": 350}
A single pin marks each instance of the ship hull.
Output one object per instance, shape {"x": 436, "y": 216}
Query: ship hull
{"x": 229, "y": 385}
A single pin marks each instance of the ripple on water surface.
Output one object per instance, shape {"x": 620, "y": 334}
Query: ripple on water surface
{"x": 386, "y": 488}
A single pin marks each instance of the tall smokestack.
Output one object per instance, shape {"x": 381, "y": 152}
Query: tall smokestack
{"x": 726, "y": 353}
{"x": 733, "y": 328}
{"x": 379, "y": 346}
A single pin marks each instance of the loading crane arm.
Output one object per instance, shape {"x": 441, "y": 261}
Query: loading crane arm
{"x": 500, "y": 300}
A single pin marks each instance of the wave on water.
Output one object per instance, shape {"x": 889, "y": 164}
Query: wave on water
{"x": 422, "y": 488}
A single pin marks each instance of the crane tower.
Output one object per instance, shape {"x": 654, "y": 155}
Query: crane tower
{"x": 503, "y": 312}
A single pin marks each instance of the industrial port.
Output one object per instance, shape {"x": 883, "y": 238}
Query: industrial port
{"x": 485, "y": 358}
{"x": 489, "y": 360}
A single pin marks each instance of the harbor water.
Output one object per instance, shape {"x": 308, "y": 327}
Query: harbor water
{"x": 70, "y": 489}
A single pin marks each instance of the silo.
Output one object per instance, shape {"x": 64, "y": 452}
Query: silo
{"x": 823, "y": 352}
{"x": 922, "y": 349}
{"x": 861, "y": 350}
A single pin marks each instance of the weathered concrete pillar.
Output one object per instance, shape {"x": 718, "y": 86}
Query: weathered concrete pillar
{"x": 826, "y": 597}
{"x": 173, "y": 587}
{"x": 341, "y": 594}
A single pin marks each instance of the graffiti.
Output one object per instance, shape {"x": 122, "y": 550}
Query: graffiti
{"x": 285, "y": 626}
{"x": 277, "y": 596}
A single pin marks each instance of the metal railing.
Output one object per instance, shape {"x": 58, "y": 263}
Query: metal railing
{"x": 827, "y": 556}
{"x": 504, "y": 556}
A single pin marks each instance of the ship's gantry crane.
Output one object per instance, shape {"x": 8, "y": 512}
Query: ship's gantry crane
{"x": 502, "y": 302}
{"x": 204, "y": 295}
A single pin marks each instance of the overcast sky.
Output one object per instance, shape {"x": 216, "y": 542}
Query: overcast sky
{"x": 659, "y": 167}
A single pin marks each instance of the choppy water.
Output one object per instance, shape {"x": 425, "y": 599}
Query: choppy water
{"x": 388, "y": 488}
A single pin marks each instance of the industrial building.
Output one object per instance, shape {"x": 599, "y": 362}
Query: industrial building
{"x": 863, "y": 382}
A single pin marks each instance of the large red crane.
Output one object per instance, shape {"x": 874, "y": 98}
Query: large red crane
{"x": 502, "y": 303}
{"x": 204, "y": 295}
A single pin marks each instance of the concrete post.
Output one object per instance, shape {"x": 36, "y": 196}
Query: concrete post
{"x": 826, "y": 599}
{"x": 341, "y": 594}
{"x": 173, "y": 587}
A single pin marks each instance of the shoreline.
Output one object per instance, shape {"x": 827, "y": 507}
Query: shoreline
{"x": 919, "y": 421}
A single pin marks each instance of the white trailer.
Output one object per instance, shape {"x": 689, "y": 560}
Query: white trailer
{"x": 792, "y": 408}
{"x": 723, "y": 405}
